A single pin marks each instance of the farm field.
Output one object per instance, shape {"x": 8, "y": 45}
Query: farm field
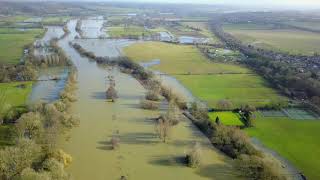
{"x": 12, "y": 95}
{"x": 240, "y": 87}
{"x": 306, "y": 24}
{"x": 13, "y": 41}
{"x": 296, "y": 140}
{"x": 121, "y": 31}
{"x": 204, "y": 30}
{"x": 226, "y": 118}
{"x": 286, "y": 40}
{"x": 55, "y": 20}
{"x": 177, "y": 59}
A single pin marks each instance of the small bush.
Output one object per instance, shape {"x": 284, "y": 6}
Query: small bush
{"x": 254, "y": 167}
{"x": 193, "y": 158}
{"x": 152, "y": 96}
{"x": 151, "y": 105}
{"x": 115, "y": 142}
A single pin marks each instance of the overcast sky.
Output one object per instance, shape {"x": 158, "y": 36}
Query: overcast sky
{"x": 281, "y": 3}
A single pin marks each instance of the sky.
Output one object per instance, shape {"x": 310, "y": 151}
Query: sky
{"x": 261, "y": 3}
{"x": 245, "y": 2}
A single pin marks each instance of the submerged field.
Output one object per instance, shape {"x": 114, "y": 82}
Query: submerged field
{"x": 12, "y": 43}
{"x": 296, "y": 140}
{"x": 287, "y": 40}
{"x": 227, "y": 81}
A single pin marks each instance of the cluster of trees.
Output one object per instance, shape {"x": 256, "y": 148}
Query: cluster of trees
{"x": 56, "y": 57}
{"x": 236, "y": 144}
{"x": 78, "y": 27}
{"x": 20, "y": 72}
{"x": 35, "y": 154}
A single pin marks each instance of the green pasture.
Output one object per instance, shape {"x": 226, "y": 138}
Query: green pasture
{"x": 207, "y": 80}
{"x": 12, "y": 43}
{"x": 13, "y": 95}
{"x": 57, "y": 20}
{"x": 178, "y": 59}
{"x": 285, "y": 40}
{"x": 239, "y": 89}
{"x": 226, "y": 118}
{"x": 296, "y": 140}
{"x": 121, "y": 31}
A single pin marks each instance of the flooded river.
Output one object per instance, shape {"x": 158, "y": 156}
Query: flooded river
{"x": 141, "y": 154}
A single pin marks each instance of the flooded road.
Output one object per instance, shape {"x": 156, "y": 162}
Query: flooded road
{"x": 141, "y": 154}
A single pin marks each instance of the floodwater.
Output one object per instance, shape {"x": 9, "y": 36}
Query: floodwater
{"x": 46, "y": 90}
{"x": 170, "y": 81}
{"x": 93, "y": 27}
{"x": 104, "y": 47}
{"x": 141, "y": 154}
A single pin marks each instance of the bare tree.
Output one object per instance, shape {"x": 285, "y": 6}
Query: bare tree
{"x": 163, "y": 129}
{"x": 111, "y": 92}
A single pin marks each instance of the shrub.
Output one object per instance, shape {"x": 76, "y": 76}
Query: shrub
{"x": 163, "y": 129}
{"x": 151, "y": 105}
{"x": 111, "y": 93}
{"x": 115, "y": 142}
{"x": 30, "y": 174}
{"x": 232, "y": 141}
{"x": 152, "y": 95}
{"x": 224, "y": 104}
{"x": 193, "y": 158}
{"x": 254, "y": 167}
{"x": 63, "y": 157}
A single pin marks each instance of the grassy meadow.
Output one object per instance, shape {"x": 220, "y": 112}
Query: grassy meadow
{"x": 204, "y": 30}
{"x": 55, "y": 20}
{"x": 121, "y": 31}
{"x": 12, "y": 42}
{"x": 12, "y": 95}
{"x": 226, "y": 118}
{"x": 286, "y": 40}
{"x": 296, "y": 140}
{"x": 241, "y": 87}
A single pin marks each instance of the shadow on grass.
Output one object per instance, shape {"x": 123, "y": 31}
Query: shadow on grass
{"x": 168, "y": 161}
{"x": 218, "y": 172}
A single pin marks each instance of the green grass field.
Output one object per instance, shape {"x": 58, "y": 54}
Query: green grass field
{"x": 13, "y": 41}
{"x": 11, "y": 95}
{"x": 6, "y": 135}
{"x": 177, "y": 59}
{"x": 286, "y": 40}
{"x": 305, "y": 24}
{"x": 55, "y": 20}
{"x": 204, "y": 27}
{"x": 240, "y": 88}
{"x": 120, "y": 31}
{"x": 296, "y": 140}
{"x": 226, "y": 118}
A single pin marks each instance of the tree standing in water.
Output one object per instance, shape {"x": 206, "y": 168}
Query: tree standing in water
{"x": 111, "y": 93}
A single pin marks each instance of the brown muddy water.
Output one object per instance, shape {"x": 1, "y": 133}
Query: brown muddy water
{"x": 141, "y": 154}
